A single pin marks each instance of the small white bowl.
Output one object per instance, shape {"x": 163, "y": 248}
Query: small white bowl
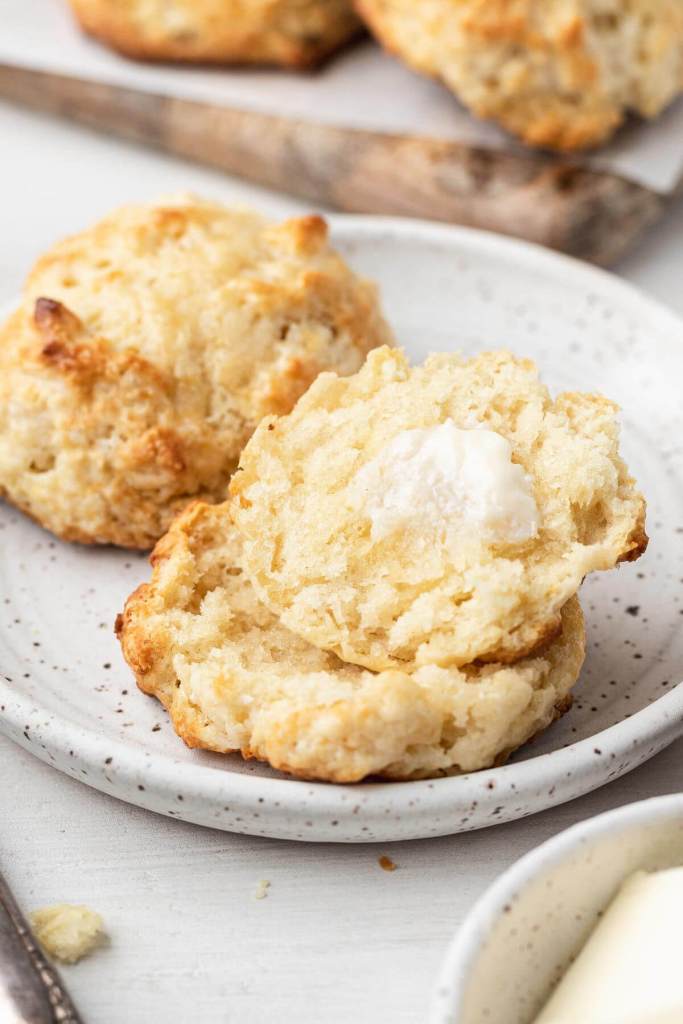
{"x": 520, "y": 937}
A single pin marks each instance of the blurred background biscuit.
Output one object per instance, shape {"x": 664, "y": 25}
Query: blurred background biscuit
{"x": 292, "y": 33}
{"x": 557, "y": 73}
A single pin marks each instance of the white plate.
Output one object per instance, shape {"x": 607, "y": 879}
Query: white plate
{"x": 68, "y": 697}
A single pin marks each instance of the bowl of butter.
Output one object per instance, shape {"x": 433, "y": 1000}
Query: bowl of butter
{"x": 583, "y": 930}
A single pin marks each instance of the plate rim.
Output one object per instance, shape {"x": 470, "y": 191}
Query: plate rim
{"x": 75, "y": 735}
{"x": 659, "y": 723}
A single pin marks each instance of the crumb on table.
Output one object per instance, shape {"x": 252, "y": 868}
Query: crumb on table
{"x": 67, "y": 932}
{"x": 262, "y": 889}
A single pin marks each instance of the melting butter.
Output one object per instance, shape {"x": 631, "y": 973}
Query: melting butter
{"x": 440, "y": 478}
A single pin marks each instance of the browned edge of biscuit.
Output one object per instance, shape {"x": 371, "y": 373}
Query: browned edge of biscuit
{"x": 294, "y": 54}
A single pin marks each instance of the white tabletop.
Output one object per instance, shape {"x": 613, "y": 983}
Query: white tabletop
{"x": 336, "y": 939}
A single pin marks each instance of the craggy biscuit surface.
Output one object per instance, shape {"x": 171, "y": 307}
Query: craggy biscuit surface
{"x": 234, "y": 679}
{"x": 558, "y": 73}
{"x": 443, "y": 595}
{"x": 146, "y": 350}
{"x": 293, "y": 33}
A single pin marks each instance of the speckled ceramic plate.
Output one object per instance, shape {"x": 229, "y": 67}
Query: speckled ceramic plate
{"x": 67, "y": 696}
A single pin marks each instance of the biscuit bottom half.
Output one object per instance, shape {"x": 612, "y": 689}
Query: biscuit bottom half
{"x": 234, "y": 679}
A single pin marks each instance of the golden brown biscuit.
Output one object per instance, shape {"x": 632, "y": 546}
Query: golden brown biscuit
{"x": 234, "y": 679}
{"x": 366, "y": 537}
{"x": 558, "y": 73}
{"x": 293, "y": 33}
{"x": 146, "y": 350}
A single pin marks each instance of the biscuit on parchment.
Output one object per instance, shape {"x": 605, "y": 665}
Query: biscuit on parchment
{"x": 557, "y": 73}
{"x": 291, "y": 33}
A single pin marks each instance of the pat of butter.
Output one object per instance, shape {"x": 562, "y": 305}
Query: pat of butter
{"x": 629, "y": 971}
{"x": 440, "y": 478}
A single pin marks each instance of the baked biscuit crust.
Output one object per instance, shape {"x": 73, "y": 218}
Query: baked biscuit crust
{"x": 558, "y": 73}
{"x": 291, "y": 33}
{"x": 234, "y": 679}
{"x": 430, "y": 595}
{"x": 146, "y": 350}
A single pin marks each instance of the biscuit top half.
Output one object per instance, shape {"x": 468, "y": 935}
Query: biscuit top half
{"x": 442, "y": 514}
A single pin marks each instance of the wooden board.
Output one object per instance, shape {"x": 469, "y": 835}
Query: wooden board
{"x": 590, "y": 214}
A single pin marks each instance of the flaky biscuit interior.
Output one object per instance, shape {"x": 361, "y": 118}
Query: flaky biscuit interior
{"x": 234, "y": 679}
{"x": 292, "y": 33}
{"x": 417, "y": 597}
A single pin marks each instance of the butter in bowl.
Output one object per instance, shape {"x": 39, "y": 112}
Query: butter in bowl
{"x": 584, "y": 928}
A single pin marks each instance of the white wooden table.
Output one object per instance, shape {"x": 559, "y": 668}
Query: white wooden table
{"x": 337, "y": 939}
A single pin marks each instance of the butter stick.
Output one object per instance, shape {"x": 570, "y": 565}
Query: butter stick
{"x": 631, "y": 969}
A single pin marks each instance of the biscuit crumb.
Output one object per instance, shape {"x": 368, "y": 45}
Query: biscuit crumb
{"x": 386, "y": 863}
{"x": 262, "y": 889}
{"x": 66, "y": 932}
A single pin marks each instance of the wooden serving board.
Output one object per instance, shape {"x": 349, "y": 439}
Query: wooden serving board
{"x": 591, "y": 214}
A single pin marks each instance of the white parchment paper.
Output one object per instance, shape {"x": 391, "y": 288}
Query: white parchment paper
{"x": 362, "y": 88}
